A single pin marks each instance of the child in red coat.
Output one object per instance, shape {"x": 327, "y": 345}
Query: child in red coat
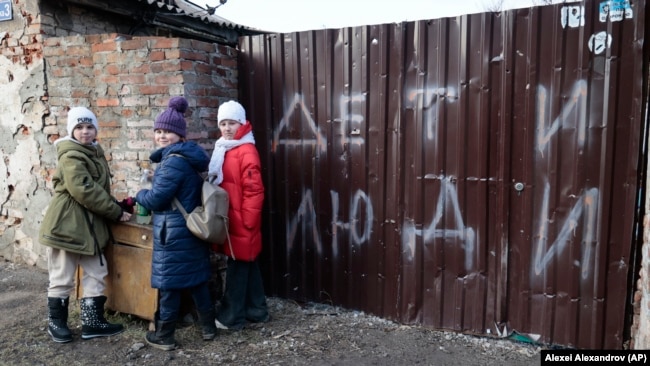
{"x": 235, "y": 166}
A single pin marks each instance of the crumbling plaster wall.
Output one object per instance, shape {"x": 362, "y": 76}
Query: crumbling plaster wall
{"x": 23, "y": 108}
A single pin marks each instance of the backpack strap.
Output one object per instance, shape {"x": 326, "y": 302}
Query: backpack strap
{"x": 176, "y": 203}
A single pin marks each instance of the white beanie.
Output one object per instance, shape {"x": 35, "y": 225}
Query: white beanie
{"x": 79, "y": 115}
{"x": 232, "y": 110}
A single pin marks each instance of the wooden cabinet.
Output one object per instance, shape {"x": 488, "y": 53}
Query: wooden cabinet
{"x": 129, "y": 279}
{"x": 128, "y": 285}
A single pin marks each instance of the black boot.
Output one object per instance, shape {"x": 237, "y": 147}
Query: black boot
{"x": 208, "y": 326}
{"x": 93, "y": 323}
{"x": 163, "y": 337}
{"x": 57, "y": 324}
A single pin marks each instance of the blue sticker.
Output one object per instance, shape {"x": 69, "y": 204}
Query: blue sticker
{"x": 615, "y": 10}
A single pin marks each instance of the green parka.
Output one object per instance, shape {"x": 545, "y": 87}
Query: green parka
{"x": 82, "y": 183}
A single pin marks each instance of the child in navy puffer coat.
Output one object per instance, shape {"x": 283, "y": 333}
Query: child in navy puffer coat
{"x": 180, "y": 260}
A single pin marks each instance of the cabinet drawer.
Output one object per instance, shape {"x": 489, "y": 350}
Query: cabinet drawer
{"x": 133, "y": 234}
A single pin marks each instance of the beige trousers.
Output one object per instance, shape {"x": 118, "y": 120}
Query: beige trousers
{"x": 62, "y": 267}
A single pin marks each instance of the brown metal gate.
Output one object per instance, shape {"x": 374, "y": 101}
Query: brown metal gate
{"x": 476, "y": 173}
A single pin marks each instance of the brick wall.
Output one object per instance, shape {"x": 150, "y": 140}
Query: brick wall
{"x": 127, "y": 82}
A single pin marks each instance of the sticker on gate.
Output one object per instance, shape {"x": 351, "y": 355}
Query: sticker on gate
{"x": 599, "y": 42}
{"x": 615, "y": 10}
{"x": 573, "y": 16}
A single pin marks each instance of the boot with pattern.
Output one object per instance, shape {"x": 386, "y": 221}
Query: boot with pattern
{"x": 57, "y": 323}
{"x": 93, "y": 323}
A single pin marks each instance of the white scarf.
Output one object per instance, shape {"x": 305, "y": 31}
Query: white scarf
{"x": 215, "y": 170}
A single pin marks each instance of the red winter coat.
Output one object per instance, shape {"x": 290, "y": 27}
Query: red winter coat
{"x": 242, "y": 179}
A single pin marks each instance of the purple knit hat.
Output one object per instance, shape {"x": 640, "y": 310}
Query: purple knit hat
{"x": 172, "y": 118}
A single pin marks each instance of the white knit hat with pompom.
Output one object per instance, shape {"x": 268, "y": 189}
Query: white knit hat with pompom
{"x": 232, "y": 110}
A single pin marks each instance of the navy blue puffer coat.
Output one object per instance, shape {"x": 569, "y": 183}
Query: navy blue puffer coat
{"x": 180, "y": 260}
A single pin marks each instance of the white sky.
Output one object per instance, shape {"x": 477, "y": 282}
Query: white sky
{"x": 298, "y": 15}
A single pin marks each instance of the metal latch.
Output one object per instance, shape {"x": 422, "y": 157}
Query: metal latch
{"x": 519, "y": 187}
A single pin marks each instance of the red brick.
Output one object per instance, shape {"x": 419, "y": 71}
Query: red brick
{"x": 204, "y": 69}
{"x": 135, "y": 44}
{"x": 156, "y": 56}
{"x": 142, "y": 69}
{"x": 194, "y": 56}
{"x": 108, "y": 102}
{"x": 202, "y": 46}
{"x": 154, "y": 89}
{"x": 170, "y": 66}
{"x": 112, "y": 79}
{"x": 163, "y": 79}
{"x": 112, "y": 69}
{"x": 86, "y": 61}
{"x": 164, "y": 42}
{"x": 104, "y": 47}
{"x": 229, "y": 63}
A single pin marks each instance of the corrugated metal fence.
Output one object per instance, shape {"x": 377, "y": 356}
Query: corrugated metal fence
{"x": 476, "y": 174}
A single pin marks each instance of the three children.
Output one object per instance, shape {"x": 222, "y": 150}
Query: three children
{"x": 76, "y": 225}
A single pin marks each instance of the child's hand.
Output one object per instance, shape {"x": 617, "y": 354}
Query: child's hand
{"x": 125, "y": 216}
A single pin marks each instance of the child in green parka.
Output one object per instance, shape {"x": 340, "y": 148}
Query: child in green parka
{"x": 76, "y": 229}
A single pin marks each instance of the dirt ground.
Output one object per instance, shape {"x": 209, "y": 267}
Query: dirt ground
{"x": 299, "y": 334}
